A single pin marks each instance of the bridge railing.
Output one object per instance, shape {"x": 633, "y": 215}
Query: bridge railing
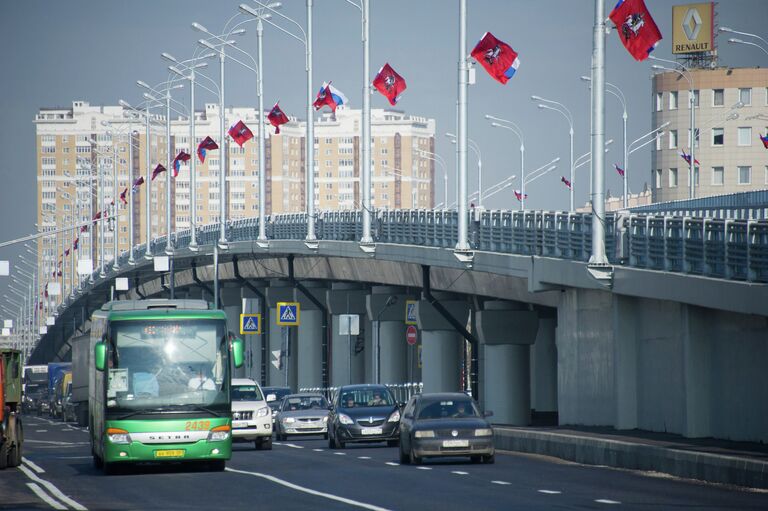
{"x": 402, "y": 392}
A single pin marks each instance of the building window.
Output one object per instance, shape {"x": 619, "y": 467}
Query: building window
{"x": 745, "y": 96}
{"x": 673, "y": 100}
{"x": 673, "y": 178}
{"x": 659, "y": 101}
{"x": 718, "y": 97}
{"x": 745, "y": 136}
{"x": 657, "y": 179}
{"x": 718, "y": 136}
{"x": 745, "y": 175}
{"x": 718, "y": 176}
{"x": 672, "y": 139}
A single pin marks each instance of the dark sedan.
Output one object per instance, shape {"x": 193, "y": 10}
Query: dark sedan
{"x": 363, "y": 413}
{"x": 446, "y": 424}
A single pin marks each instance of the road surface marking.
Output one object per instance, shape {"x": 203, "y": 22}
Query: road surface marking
{"x": 503, "y": 483}
{"x": 550, "y": 492}
{"x": 363, "y": 457}
{"x": 340, "y": 453}
{"x": 423, "y": 468}
{"x": 41, "y": 431}
{"x": 329, "y": 496}
{"x": 459, "y": 472}
{"x": 34, "y": 466}
{"x": 294, "y": 446}
{"x": 53, "y": 442}
{"x": 55, "y": 504}
{"x": 607, "y": 501}
{"x": 318, "y": 450}
{"x": 74, "y": 457}
{"x": 392, "y": 464}
{"x": 54, "y": 491}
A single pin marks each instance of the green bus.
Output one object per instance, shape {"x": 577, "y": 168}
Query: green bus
{"x": 159, "y": 383}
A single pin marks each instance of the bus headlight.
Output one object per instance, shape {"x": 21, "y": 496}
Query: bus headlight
{"x": 118, "y": 436}
{"x": 218, "y": 434}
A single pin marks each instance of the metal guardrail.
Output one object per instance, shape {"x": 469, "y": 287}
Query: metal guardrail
{"x": 402, "y": 392}
{"x": 719, "y": 248}
{"x": 752, "y": 205}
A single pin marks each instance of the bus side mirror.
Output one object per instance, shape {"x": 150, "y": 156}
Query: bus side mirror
{"x": 237, "y": 352}
{"x": 100, "y": 356}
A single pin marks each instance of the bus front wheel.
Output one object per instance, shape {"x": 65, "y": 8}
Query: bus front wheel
{"x": 217, "y": 465}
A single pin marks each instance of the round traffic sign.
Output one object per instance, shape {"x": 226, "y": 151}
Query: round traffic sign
{"x": 410, "y": 335}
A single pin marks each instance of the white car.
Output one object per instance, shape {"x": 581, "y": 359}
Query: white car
{"x": 251, "y": 416}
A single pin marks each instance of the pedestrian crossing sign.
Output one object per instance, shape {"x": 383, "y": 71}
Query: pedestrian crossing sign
{"x": 288, "y": 313}
{"x": 410, "y": 312}
{"x": 250, "y": 324}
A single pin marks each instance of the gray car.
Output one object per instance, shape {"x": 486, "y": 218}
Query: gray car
{"x": 302, "y": 414}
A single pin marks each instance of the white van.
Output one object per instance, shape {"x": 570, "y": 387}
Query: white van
{"x": 251, "y": 416}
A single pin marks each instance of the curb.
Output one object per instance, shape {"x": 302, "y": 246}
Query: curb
{"x": 714, "y": 468}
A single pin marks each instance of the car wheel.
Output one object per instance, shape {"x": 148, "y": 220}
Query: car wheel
{"x": 393, "y": 443}
{"x": 98, "y": 463}
{"x": 489, "y": 459}
{"x": 325, "y": 436}
{"x": 415, "y": 460}
{"x": 476, "y": 459}
{"x": 405, "y": 459}
{"x": 4, "y": 455}
{"x": 14, "y": 453}
{"x": 266, "y": 444}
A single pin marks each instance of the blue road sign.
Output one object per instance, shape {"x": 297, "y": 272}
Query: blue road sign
{"x": 410, "y": 312}
{"x": 288, "y": 313}
{"x": 250, "y": 324}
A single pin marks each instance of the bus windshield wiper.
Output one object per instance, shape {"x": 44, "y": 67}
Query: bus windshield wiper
{"x": 148, "y": 411}
{"x": 189, "y": 407}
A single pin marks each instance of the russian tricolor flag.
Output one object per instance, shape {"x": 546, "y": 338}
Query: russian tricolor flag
{"x": 331, "y": 96}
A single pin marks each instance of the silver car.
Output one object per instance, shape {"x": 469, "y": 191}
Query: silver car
{"x": 302, "y": 414}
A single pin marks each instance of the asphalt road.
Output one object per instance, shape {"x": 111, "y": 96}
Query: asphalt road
{"x": 58, "y": 473}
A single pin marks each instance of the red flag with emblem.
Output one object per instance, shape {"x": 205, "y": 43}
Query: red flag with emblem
{"x": 636, "y": 28}
{"x": 277, "y": 117}
{"x": 389, "y": 83}
{"x": 240, "y": 133}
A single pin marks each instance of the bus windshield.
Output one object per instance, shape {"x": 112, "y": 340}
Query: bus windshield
{"x": 163, "y": 365}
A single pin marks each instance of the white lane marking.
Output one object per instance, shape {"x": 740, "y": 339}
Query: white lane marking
{"x": 392, "y": 464}
{"x": 329, "y": 496}
{"x": 363, "y": 457}
{"x": 294, "y": 446}
{"x": 503, "y": 483}
{"x": 54, "y": 491}
{"x": 34, "y": 466}
{"x": 459, "y": 472}
{"x": 318, "y": 450}
{"x": 53, "y": 442}
{"x": 423, "y": 468}
{"x": 340, "y": 453}
{"x": 41, "y": 431}
{"x": 607, "y": 501}
{"x": 550, "y": 492}
{"x": 55, "y": 504}
{"x": 74, "y": 457}
{"x": 277, "y": 443}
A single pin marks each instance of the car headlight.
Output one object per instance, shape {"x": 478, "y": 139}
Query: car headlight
{"x": 325, "y": 419}
{"x": 118, "y": 436}
{"x": 427, "y": 433}
{"x": 395, "y": 417}
{"x": 218, "y": 434}
{"x": 262, "y": 412}
{"x": 484, "y": 432}
{"x": 344, "y": 419}
{"x": 289, "y": 420}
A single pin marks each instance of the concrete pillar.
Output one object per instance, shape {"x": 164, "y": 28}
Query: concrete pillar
{"x": 347, "y": 353}
{"x": 281, "y": 291}
{"x": 232, "y": 305}
{"x": 310, "y": 335}
{"x": 506, "y": 330}
{"x": 253, "y": 343}
{"x": 625, "y": 326}
{"x": 544, "y": 367}
{"x": 386, "y": 309}
{"x": 697, "y": 367}
{"x": 441, "y": 344}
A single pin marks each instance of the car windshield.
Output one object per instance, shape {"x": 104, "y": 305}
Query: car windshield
{"x": 156, "y": 364}
{"x": 365, "y": 397}
{"x": 246, "y": 393}
{"x": 456, "y": 408}
{"x": 296, "y": 403}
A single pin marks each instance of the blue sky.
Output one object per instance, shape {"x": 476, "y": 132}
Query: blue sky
{"x": 95, "y": 50}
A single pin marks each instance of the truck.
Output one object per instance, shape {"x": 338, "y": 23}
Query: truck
{"x": 55, "y": 372}
{"x": 35, "y": 388}
{"x": 145, "y": 401}
{"x": 81, "y": 358}
{"x": 11, "y": 429}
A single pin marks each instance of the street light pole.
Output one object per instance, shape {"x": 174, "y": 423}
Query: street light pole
{"x": 310, "y": 151}
{"x": 598, "y": 257}
{"x": 366, "y": 132}
{"x": 562, "y": 110}
{"x": 262, "y": 159}
{"x": 462, "y": 245}
{"x": 514, "y": 128}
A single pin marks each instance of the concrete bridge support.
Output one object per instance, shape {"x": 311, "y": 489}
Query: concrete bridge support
{"x": 506, "y": 331}
{"x": 253, "y": 343}
{"x": 310, "y": 333}
{"x": 232, "y": 303}
{"x": 544, "y": 364}
{"x": 347, "y": 353}
{"x": 442, "y": 346}
{"x": 386, "y": 309}
{"x": 281, "y": 338}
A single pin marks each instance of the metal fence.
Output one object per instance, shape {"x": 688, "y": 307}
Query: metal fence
{"x": 402, "y": 392}
{"x": 752, "y": 205}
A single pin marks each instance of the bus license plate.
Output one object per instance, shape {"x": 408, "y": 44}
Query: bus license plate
{"x": 455, "y": 443}
{"x": 170, "y": 453}
{"x": 372, "y": 431}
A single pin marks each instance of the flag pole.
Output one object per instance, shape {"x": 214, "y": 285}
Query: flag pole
{"x": 168, "y": 241}
{"x": 131, "y": 260}
{"x": 192, "y": 164}
{"x": 462, "y": 245}
{"x": 115, "y": 265}
{"x": 598, "y": 257}
{"x": 310, "y": 142}
{"x": 262, "y": 160}
{"x": 366, "y": 142}
{"x": 223, "y": 155}
{"x": 148, "y": 192}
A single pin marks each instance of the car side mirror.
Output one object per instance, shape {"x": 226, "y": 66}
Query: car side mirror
{"x": 488, "y": 413}
{"x": 271, "y": 397}
{"x": 330, "y": 408}
{"x": 237, "y": 352}
{"x": 100, "y": 356}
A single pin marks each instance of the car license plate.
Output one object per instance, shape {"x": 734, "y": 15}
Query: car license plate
{"x": 239, "y": 424}
{"x": 170, "y": 453}
{"x": 455, "y": 443}
{"x": 372, "y": 431}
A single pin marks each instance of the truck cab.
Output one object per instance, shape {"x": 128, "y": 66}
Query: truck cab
{"x": 11, "y": 431}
